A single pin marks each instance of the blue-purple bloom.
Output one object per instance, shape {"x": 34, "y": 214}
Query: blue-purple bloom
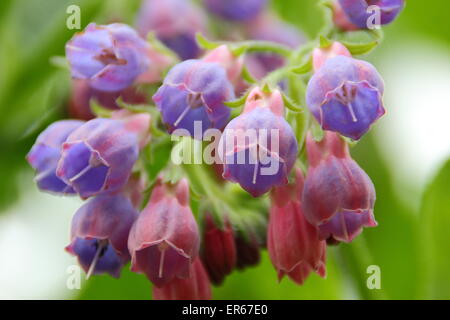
{"x": 345, "y": 95}
{"x": 356, "y": 11}
{"x": 110, "y": 56}
{"x": 98, "y": 157}
{"x": 99, "y": 235}
{"x": 177, "y": 33}
{"x": 237, "y": 10}
{"x": 338, "y": 196}
{"x": 45, "y": 153}
{"x": 192, "y": 91}
{"x": 259, "y": 148}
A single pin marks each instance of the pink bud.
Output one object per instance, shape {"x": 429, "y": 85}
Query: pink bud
{"x": 219, "y": 251}
{"x": 293, "y": 243}
{"x": 196, "y": 287}
{"x": 231, "y": 63}
{"x": 321, "y": 55}
{"x": 257, "y": 98}
{"x": 164, "y": 239}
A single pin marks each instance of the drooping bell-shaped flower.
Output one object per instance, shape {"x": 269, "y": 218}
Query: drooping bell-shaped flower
{"x": 219, "y": 249}
{"x": 195, "y": 287}
{"x": 111, "y": 57}
{"x": 345, "y": 96}
{"x": 164, "y": 239}
{"x": 99, "y": 235}
{"x": 193, "y": 93}
{"x": 236, "y": 10}
{"x": 293, "y": 243}
{"x": 338, "y": 196}
{"x": 177, "y": 33}
{"x": 259, "y": 148}
{"x": 364, "y": 14}
{"x": 46, "y": 152}
{"x": 99, "y": 156}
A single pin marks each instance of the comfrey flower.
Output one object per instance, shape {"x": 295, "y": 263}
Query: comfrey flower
{"x": 292, "y": 242}
{"x": 338, "y": 196}
{"x": 258, "y": 148}
{"x": 363, "y": 13}
{"x": 219, "y": 249}
{"x": 99, "y": 156}
{"x": 194, "y": 91}
{"x": 345, "y": 95}
{"x": 236, "y": 10}
{"x": 110, "y": 56}
{"x": 164, "y": 240}
{"x": 177, "y": 33}
{"x": 99, "y": 234}
{"x": 45, "y": 153}
{"x": 195, "y": 287}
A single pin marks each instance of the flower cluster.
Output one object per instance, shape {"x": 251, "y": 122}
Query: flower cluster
{"x": 286, "y": 182}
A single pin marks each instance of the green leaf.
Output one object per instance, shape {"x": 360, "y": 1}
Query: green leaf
{"x": 156, "y": 155}
{"x": 99, "y": 110}
{"x": 304, "y": 68}
{"x": 247, "y": 76}
{"x": 238, "y": 102}
{"x": 291, "y": 105}
{"x": 435, "y": 240}
{"x": 205, "y": 43}
{"x": 360, "y": 48}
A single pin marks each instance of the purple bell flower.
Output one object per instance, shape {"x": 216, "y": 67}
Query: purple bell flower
{"x": 338, "y": 196}
{"x": 356, "y": 11}
{"x": 99, "y": 235}
{"x": 259, "y": 148}
{"x": 164, "y": 240}
{"x": 45, "y": 153}
{"x": 195, "y": 91}
{"x": 98, "y": 157}
{"x": 237, "y": 10}
{"x": 110, "y": 56}
{"x": 163, "y": 17}
{"x": 345, "y": 95}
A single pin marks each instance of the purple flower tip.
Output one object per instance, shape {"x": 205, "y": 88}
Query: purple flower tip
{"x": 358, "y": 11}
{"x": 110, "y": 56}
{"x": 194, "y": 91}
{"x": 45, "y": 153}
{"x": 238, "y": 10}
{"x": 345, "y": 96}
{"x": 99, "y": 235}
{"x": 259, "y": 148}
{"x": 98, "y": 157}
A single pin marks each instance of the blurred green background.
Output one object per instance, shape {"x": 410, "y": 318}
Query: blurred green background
{"x": 406, "y": 155}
